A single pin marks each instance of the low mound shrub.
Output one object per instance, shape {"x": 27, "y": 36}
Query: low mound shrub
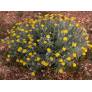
{"x": 50, "y": 40}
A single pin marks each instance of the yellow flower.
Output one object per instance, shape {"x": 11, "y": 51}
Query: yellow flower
{"x": 28, "y": 35}
{"x": 84, "y": 34}
{"x": 33, "y": 26}
{"x": 74, "y": 44}
{"x": 30, "y": 38}
{"x": 64, "y": 31}
{"x": 60, "y": 60}
{"x": 64, "y": 49}
{"x": 47, "y": 36}
{"x": 26, "y": 31}
{"x": 74, "y": 65}
{"x": 77, "y": 25}
{"x": 34, "y": 53}
{"x": 24, "y": 63}
{"x": 38, "y": 40}
{"x": 21, "y": 29}
{"x": 51, "y": 58}
{"x": 42, "y": 25}
{"x": 18, "y": 23}
{"x": 61, "y": 19}
{"x": 65, "y": 39}
{"x": 28, "y": 59}
{"x": 18, "y": 40}
{"x": 68, "y": 58}
{"x": 29, "y": 42}
{"x": 66, "y": 18}
{"x": 84, "y": 49}
{"x": 34, "y": 44}
{"x": 29, "y": 46}
{"x": 45, "y": 42}
{"x": 30, "y": 54}
{"x": 33, "y": 73}
{"x": 2, "y": 40}
{"x": 12, "y": 41}
{"x": 24, "y": 51}
{"x": 21, "y": 61}
{"x": 44, "y": 63}
{"x": 84, "y": 54}
{"x": 70, "y": 24}
{"x": 61, "y": 70}
{"x": 24, "y": 41}
{"x": 19, "y": 49}
{"x": 8, "y": 42}
{"x": 63, "y": 63}
{"x": 13, "y": 34}
{"x": 18, "y": 36}
{"x": 57, "y": 54}
{"x": 35, "y": 21}
{"x": 48, "y": 50}
{"x": 73, "y": 18}
{"x": 38, "y": 59}
{"x": 74, "y": 55}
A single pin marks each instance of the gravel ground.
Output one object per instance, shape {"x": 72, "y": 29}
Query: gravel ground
{"x": 12, "y": 71}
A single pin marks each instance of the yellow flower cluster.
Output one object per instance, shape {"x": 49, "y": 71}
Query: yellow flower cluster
{"x": 21, "y": 61}
{"x": 74, "y": 44}
{"x": 45, "y": 63}
{"x": 84, "y": 51}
